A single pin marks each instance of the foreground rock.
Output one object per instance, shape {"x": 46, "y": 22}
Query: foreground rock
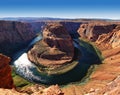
{"x": 111, "y": 88}
{"x": 55, "y": 50}
{"x": 36, "y": 90}
{"x": 6, "y": 80}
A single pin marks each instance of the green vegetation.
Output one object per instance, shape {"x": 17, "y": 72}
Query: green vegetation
{"x": 18, "y": 80}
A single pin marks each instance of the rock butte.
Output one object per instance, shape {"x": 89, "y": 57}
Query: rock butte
{"x": 55, "y": 49}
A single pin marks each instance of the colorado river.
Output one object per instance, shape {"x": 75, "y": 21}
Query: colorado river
{"x": 29, "y": 71}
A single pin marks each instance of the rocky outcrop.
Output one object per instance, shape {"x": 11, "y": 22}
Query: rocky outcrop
{"x": 14, "y": 36}
{"x": 52, "y": 90}
{"x": 55, "y": 49}
{"x": 105, "y": 35}
{"x": 6, "y": 80}
{"x": 36, "y": 90}
{"x": 115, "y": 39}
{"x": 92, "y": 31}
{"x": 109, "y": 40}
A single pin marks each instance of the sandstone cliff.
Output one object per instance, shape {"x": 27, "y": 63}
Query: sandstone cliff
{"x": 14, "y": 36}
{"x": 6, "y": 80}
{"x": 105, "y": 35}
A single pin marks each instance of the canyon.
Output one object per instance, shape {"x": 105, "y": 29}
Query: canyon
{"x": 105, "y": 35}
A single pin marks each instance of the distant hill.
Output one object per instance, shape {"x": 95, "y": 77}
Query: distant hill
{"x": 31, "y": 19}
{"x": 39, "y": 19}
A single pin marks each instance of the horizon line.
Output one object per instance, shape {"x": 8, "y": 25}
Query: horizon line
{"x": 100, "y": 18}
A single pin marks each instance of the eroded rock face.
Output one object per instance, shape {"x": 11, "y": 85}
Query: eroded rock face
{"x": 92, "y": 31}
{"x": 105, "y": 35}
{"x": 115, "y": 39}
{"x": 14, "y": 36}
{"x": 6, "y": 80}
{"x": 55, "y": 49}
{"x": 111, "y": 39}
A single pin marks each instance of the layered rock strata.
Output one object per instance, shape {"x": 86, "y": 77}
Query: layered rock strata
{"x": 105, "y": 35}
{"x": 55, "y": 49}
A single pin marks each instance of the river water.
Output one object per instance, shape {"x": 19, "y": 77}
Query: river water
{"x": 28, "y": 70}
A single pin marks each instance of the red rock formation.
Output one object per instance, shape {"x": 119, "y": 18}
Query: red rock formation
{"x": 52, "y": 90}
{"x": 109, "y": 40}
{"x": 92, "y": 31}
{"x": 56, "y": 48}
{"x": 14, "y": 35}
{"x": 36, "y": 90}
{"x": 105, "y": 35}
{"x": 6, "y": 80}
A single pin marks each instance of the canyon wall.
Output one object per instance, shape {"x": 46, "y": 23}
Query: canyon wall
{"x": 105, "y": 35}
{"x": 38, "y": 26}
{"x": 14, "y": 36}
{"x": 71, "y": 27}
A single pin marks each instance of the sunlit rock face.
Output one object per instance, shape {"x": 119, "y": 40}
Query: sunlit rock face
{"x": 115, "y": 39}
{"x": 105, "y": 35}
{"x": 111, "y": 39}
{"x": 55, "y": 49}
{"x": 6, "y": 80}
{"x": 92, "y": 31}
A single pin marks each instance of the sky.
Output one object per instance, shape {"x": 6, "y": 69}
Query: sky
{"x": 107, "y": 9}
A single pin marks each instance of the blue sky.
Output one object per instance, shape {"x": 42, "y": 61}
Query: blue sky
{"x": 61, "y": 8}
